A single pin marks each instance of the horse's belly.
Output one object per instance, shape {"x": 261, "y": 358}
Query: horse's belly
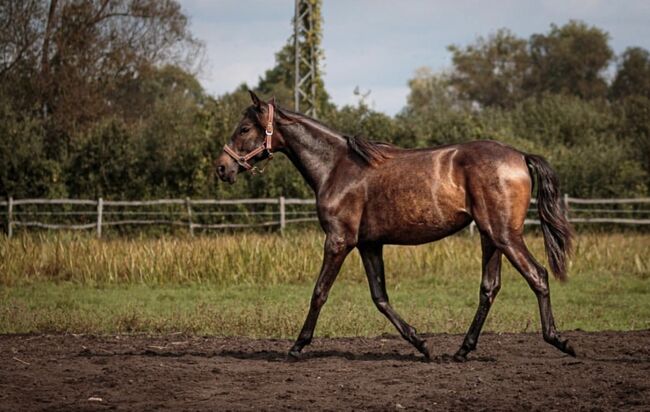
{"x": 412, "y": 217}
{"x": 414, "y": 233}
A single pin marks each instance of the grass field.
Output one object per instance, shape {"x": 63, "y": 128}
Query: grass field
{"x": 259, "y": 285}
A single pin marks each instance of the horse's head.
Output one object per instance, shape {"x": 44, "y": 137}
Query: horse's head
{"x": 252, "y": 141}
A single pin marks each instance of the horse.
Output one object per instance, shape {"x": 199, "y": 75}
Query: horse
{"x": 370, "y": 194}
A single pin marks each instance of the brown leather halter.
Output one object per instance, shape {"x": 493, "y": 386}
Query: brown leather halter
{"x": 242, "y": 160}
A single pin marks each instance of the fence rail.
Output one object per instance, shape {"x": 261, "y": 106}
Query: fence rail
{"x": 188, "y": 216}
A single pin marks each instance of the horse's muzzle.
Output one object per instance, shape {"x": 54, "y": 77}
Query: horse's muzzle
{"x": 226, "y": 169}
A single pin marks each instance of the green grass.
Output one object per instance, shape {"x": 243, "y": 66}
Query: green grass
{"x": 260, "y": 285}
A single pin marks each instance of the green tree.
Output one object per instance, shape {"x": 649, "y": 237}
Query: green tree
{"x": 105, "y": 163}
{"x": 491, "y": 71}
{"x": 570, "y": 59}
{"x": 633, "y": 74}
{"x": 429, "y": 91}
{"x": 635, "y": 129}
{"x": 25, "y": 170}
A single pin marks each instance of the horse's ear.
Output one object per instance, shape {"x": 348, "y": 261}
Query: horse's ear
{"x": 256, "y": 100}
{"x": 272, "y": 101}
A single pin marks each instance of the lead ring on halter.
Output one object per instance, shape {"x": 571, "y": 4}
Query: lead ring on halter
{"x": 242, "y": 160}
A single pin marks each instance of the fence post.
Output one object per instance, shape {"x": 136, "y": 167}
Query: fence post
{"x": 10, "y": 211}
{"x": 100, "y": 212}
{"x": 566, "y": 205}
{"x": 283, "y": 219}
{"x": 188, "y": 206}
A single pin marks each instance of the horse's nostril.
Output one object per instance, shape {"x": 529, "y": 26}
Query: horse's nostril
{"x": 221, "y": 170}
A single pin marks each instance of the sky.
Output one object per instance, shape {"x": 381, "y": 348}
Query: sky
{"x": 376, "y": 45}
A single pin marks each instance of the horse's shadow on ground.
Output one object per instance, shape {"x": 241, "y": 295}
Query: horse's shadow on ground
{"x": 281, "y": 356}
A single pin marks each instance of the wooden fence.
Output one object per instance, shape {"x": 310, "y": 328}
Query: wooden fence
{"x": 101, "y": 212}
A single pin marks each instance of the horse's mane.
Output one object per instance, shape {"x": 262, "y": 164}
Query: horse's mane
{"x": 371, "y": 152}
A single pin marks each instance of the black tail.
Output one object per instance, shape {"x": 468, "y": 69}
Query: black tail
{"x": 558, "y": 233}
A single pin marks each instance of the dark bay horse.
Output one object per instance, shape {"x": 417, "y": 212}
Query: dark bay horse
{"x": 370, "y": 194}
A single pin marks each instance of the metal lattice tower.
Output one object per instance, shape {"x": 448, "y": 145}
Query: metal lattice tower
{"x": 305, "y": 58}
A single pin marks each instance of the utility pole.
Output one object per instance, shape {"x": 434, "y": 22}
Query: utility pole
{"x": 306, "y": 39}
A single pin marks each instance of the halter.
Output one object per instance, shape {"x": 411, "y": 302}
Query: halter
{"x": 242, "y": 160}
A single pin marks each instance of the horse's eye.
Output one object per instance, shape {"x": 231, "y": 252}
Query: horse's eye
{"x": 244, "y": 129}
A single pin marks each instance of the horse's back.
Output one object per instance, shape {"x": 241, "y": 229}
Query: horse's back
{"x": 422, "y": 195}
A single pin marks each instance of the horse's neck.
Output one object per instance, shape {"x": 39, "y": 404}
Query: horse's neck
{"x": 314, "y": 150}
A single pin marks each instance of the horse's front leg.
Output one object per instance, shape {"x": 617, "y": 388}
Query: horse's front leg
{"x": 336, "y": 250}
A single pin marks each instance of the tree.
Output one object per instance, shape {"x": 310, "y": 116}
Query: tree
{"x": 430, "y": 91}
{"x": 491, "y": 71}
{"x": 633, "y": 74}
{"x": 635, "y": 128}
{"x": 570, "y": 59}
{"x": 89, "y": 75}
{"x": 70, "y": 56}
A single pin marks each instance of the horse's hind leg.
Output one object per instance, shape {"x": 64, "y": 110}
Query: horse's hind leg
{"x": 490, "y": 285}
{"x": 537, "y": 277}
{"x": 373, "y": 262}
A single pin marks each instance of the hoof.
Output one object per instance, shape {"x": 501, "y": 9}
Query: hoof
{"x": 423, "y": 349}
{"x": 294, "y": 355}
{"x": 461, "y": 354}
{"x": 459, "y": 357}
{"x": 568, "y": 349}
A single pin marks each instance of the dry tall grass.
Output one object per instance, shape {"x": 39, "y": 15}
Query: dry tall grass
{"x": 267, "y": 259}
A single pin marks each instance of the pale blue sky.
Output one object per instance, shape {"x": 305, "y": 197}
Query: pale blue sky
{"x": 378, "y": 44}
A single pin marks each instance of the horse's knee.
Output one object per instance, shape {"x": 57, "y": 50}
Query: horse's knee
{"x": 490, "y": 291}
{"x": 337, "y": 244}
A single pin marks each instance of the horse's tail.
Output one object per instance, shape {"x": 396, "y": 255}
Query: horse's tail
{"x": 558, "y": 233}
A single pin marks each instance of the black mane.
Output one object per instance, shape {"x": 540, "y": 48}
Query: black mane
{"x": 371, "y": 152}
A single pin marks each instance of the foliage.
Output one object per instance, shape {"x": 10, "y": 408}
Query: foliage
{"x": 492, "y": 71}
{"x": 633, "y": 74}
{"x": 635, "y": 128}
{"x": 503, "y": 69}
{"x": 136, "y": 123}
{"x": 25, "y": 170}
{"x": 570, "y": 60}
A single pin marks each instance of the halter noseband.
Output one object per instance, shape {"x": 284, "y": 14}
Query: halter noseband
{"x": 242, "y": 160}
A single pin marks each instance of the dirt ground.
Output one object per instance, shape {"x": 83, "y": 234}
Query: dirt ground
{"x": 176, "y": 372}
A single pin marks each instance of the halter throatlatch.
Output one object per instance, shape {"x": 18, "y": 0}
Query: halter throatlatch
{"x": 242, "y": 160}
